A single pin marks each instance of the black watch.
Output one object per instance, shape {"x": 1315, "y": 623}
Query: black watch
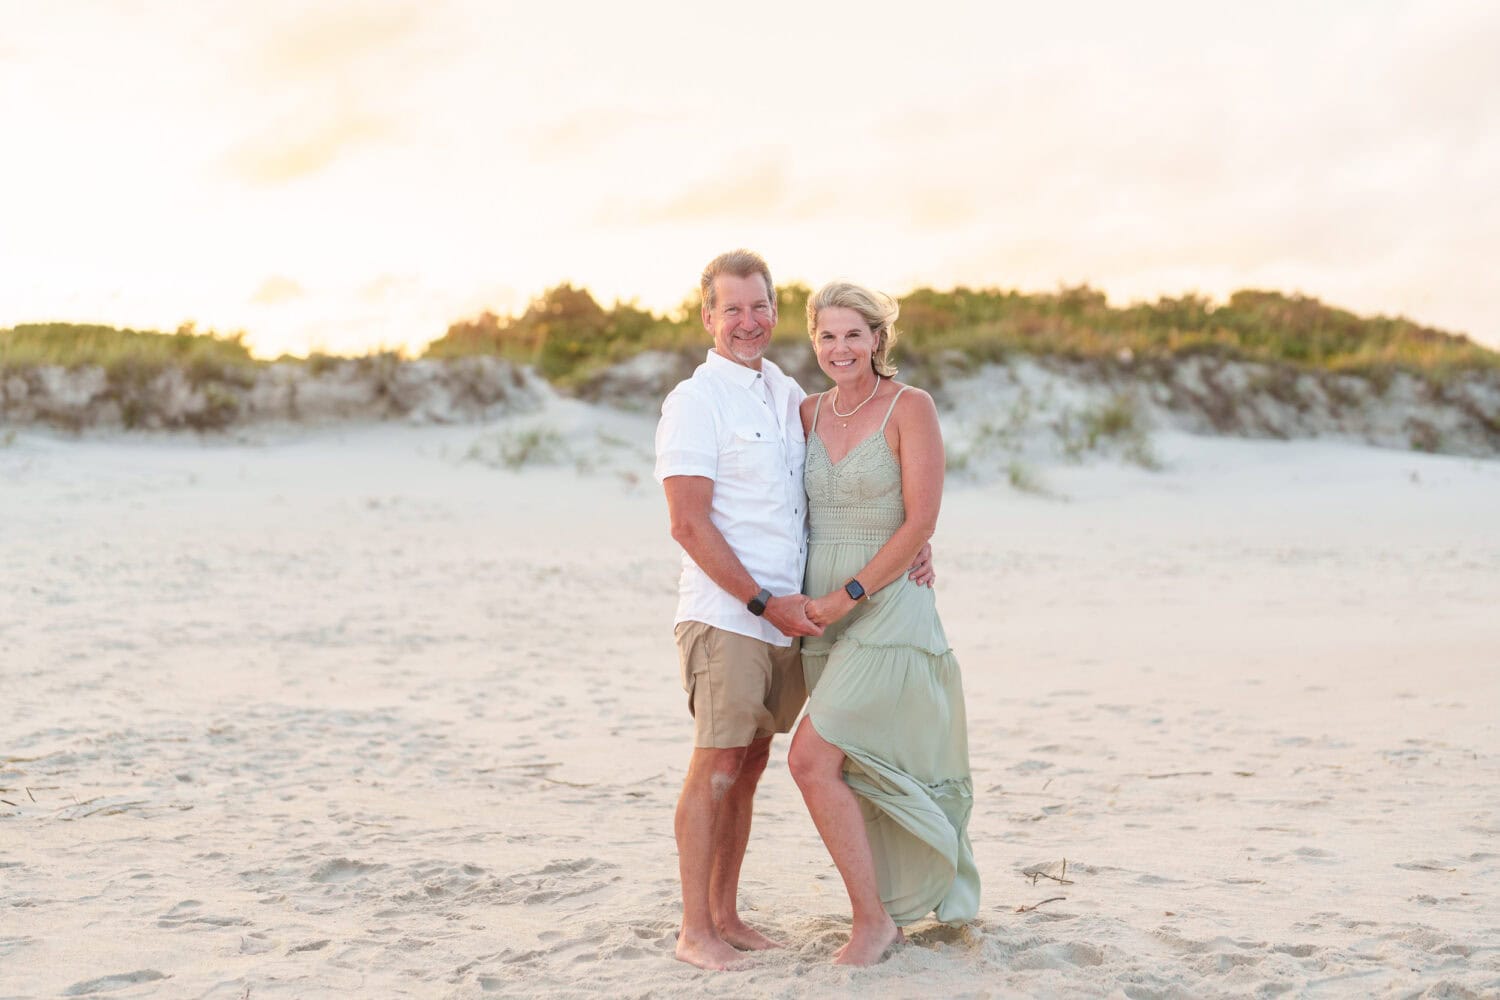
{"x": 855, "y": 591}
{"x": 757, "y": 604}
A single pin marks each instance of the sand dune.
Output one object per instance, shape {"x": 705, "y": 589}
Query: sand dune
{"x": 1061, "y": 403}
{"x": 369, "y": 711}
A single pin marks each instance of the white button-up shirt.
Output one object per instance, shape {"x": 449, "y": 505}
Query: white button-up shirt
{"x": 740, "y": 427}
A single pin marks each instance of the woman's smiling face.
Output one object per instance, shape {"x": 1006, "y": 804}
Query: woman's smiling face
{"x": 844, "y": 344}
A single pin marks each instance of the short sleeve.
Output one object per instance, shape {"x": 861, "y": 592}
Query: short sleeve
{"x": 687, "y": 443}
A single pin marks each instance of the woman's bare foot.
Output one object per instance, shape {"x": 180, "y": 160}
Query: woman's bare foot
{"x": 866, "y": 947}
{"x": 746, "y": 938}
{"x": 900, "y": 939}
{"x": 706, "y": 952}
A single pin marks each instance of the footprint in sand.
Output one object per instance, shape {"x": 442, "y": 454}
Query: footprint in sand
{"x": 1059, "y": 956}
{"x": 342, "y": 870}
{"x": 119, "y": 981}
{"x": 186, "y": 913}
{"x": 1296, "y": 950}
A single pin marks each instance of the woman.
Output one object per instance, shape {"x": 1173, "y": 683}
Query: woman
{"x": 882, "y": 754}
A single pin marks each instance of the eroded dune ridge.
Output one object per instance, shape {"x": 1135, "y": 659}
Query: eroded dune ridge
{"x": 394, "y": 711}
{"x": 175, "y": 397}
{"x": 1078, "y": 403}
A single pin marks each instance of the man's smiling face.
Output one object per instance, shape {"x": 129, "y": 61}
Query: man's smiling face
{"x": 743, "y": 316}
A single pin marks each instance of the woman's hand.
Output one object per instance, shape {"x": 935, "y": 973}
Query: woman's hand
{"x": 829, "y": 608}
{"x": 921, "y": 572}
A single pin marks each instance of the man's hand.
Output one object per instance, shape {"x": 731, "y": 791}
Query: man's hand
{"x": 789, "y": 615}
{"x": 921, "y": 572}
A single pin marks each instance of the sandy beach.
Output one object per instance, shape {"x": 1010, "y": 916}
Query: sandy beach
{"x": 367, "y": 711}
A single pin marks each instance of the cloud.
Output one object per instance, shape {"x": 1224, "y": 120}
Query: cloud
{"x": 389, "y": 288}
{"x": 586, "y": 131}
{"x": 275, "y": 289}
{"x": 314, "y": 44}
{"x": 300, "y": 147}
{"x": 753, "y": 191}
{"x": 328, "y": 82}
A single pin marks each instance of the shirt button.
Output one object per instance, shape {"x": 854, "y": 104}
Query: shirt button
{"x": 757, "y": 433}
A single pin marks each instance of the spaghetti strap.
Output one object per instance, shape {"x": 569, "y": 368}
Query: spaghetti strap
{"x": 817, "y": 409}
{"x": 887, "y": 412}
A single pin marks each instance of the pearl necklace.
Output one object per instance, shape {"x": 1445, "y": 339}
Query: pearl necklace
{"x": 833, "y": 404}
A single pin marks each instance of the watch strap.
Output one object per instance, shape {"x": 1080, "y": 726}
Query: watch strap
{"x": 757, "y": 604}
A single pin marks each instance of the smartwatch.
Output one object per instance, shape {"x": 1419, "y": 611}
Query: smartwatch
{"x": 855, "y": 591}
{"x": 757, "y": 604}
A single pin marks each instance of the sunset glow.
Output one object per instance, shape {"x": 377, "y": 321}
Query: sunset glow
{"x": 347, "y": 176}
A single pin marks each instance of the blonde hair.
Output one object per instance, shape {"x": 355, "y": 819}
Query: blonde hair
{"x": 741, "y": 264}
{"x": 878, "y": 310}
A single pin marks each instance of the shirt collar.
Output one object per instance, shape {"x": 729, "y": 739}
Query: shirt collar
{"x": 736, "y": 373}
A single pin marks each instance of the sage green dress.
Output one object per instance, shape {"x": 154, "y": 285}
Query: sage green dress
{"x": 885, "y": 689}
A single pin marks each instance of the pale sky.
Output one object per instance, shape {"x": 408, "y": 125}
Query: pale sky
{"x": 344, "y": 175}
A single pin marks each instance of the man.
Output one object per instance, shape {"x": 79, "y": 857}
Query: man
{"x": 729, "y": 454}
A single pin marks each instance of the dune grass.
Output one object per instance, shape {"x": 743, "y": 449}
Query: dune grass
{"x": 567, "y": 335}
{"x": 128, "y": 356}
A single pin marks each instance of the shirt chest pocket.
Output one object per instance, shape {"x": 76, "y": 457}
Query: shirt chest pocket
{"x": 754, "y": 456}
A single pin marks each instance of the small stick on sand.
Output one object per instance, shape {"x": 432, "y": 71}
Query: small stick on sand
{"x": 33, "y": 797}
{"x": 1061, "y": 879}
{"x": 1181, "y": 774}
{"x": 85, "y": 802}
{"x": 570, "y": 784}
{"x": 1023, "y": 908}
{"x": 1056, "y": 878}
{"x": 7, "y": 802}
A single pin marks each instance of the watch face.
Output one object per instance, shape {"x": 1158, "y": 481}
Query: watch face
{"x": 854, "y": 590}
{"x": 757, "y": 604}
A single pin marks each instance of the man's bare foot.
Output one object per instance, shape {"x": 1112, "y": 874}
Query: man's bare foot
{"x": 746, "y": 938}
{"x": 869, "y": 947}
{"x": 706, "y": 951}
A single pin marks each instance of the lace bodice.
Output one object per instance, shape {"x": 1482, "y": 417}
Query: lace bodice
{"x": 858, "y": 498}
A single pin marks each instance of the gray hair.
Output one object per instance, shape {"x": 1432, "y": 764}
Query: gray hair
{"x": 740, "y": 264}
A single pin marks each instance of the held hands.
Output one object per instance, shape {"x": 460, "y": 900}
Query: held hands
{"x": 835, "y": 604}
{"x": 830, "y": 607}
{"x": 789, "y": 615}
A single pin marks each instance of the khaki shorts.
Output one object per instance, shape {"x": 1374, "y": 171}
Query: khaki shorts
{"x": 739, "y": 689}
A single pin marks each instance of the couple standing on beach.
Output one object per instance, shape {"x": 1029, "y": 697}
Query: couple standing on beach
{"x": 775, "y": 495}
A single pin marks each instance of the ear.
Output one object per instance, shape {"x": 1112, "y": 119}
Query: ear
{"x": 703, "y": 315}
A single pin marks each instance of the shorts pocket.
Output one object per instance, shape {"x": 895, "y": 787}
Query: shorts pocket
{"x": 692, "y": 654}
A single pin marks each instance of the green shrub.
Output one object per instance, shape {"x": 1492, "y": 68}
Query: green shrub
{"x": 569, "y": 337}
{"x": 133, "y": 355}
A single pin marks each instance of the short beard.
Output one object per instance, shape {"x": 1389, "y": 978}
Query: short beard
{"x": 754, "y": 354}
